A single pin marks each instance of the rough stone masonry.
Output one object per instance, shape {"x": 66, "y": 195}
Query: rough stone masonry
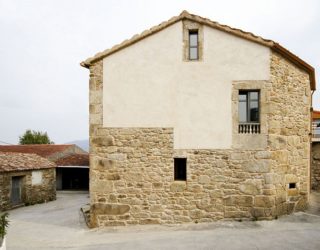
{"x": 131, "y": 169}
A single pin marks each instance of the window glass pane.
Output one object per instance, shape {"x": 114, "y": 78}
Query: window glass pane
{"x": 254, "y": 111}
{"x": 242, "y": 112}
{"x": 193, "y": 39}
{"x": 253, "y": 95}
{"x": 242, "y": 97}
{"x": 193, "y": 53}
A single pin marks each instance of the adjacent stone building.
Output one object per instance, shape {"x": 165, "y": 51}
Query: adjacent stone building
{"x": 194, "y": 121}
{"x": 25, "y": 179}
{"x": 72, "y": 171}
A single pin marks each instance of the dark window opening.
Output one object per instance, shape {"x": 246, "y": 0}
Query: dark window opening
{"x": 292, "y": 185}
{"x": 193, "y": 45}
{"x": 180, "y": 169}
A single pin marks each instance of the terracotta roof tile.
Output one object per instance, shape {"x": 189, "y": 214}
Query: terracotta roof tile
{"x": 44, "y": 150}
{"x": 18, "y": 161}
{"x": 316, "y": 114}
{"x": 74, "y": 160}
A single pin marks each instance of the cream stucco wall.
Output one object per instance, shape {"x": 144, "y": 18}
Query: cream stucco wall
{"x": 149, "y": 85}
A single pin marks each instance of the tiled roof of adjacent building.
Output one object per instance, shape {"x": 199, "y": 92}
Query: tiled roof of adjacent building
{"x": 44, "y": 150}
{"x": 74, "y": 160}
{"x": 316, "y": 114}
{"x": 18, "y": 161}
{"x": 237, "y": 32}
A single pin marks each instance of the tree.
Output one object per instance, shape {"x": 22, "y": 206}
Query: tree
{"x": 34, "y": 137}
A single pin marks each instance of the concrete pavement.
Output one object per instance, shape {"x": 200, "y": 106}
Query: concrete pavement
{"x": 58, "y": 225}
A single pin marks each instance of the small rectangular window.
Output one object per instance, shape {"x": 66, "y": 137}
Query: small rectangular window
{"x": 180, "y": 169}
{"x": 193, "y": 45}
{"x": 292, "y": 185}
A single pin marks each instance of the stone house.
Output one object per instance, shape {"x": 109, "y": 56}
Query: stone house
{"x": 72, "y": 162}
{"x": 194, "y": 121}
{"x": 25, "y": 179}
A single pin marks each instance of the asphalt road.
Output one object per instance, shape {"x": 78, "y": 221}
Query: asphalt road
{"x": 58, "y": 225}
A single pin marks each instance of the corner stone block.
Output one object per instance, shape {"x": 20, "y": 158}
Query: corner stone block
{"x": 104, "y": 141}
{"x": 101, "y": 186}
{"x": 302, "y": 204}
{"x": 101, "y": 164}
{"x": 109, "y": 209}
{"x": 236, "y": 200}
{"x": 264, "y": 201}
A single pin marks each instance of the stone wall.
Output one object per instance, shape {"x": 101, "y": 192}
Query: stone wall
{"x": 289, "y": 123}
{"x": 315, "y": 166}
{"x": 132, "y": 180}
{"x": 31, "y": 194}
{"x": 131, "y": 169}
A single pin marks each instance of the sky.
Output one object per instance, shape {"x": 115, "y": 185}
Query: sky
{"x": 42, "y": 43}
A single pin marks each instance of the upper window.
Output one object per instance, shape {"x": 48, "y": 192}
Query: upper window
{"x": 193, "y": 45}
{"x": 248, "y": 106}
{"x": 249, "y": 111}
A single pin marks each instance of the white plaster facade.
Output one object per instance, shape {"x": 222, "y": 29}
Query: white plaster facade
{"x": 149, "y": 85}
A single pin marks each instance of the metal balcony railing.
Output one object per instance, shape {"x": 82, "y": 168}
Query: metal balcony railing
{"x": 249, "y": 128}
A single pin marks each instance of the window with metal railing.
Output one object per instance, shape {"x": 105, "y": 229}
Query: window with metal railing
{"x": 249, "y": 112}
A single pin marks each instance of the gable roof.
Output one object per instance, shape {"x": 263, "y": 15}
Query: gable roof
{"x": 44, "y": 150}
{"x": 237, "y": 32}
{"x": 19, "y": 162}
{"x": 74, "y": 160}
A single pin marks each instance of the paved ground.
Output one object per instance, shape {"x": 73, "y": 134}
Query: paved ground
{"x": 58, "y": 225}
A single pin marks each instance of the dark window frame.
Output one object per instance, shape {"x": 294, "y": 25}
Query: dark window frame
{"x": 249, "y": 101}
{"x": 180, "y": 169}
{"x": 190, "y": 33}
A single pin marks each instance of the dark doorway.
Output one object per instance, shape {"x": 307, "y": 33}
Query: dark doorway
{"x": 16, "y": 190}
{"x": 72, "y": 178}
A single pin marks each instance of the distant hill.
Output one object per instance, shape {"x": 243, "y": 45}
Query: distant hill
{"x": 84, "y": 144}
